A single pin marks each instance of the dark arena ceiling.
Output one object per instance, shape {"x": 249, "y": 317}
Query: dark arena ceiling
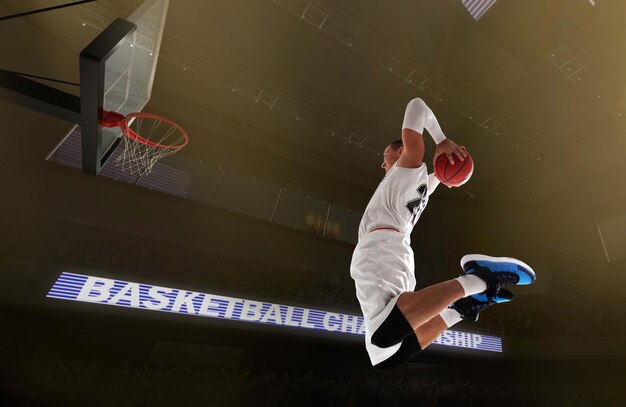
{"x": 274, "y": 88}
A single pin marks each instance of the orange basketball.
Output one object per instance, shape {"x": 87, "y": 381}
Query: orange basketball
{"x": 454, "y": 175}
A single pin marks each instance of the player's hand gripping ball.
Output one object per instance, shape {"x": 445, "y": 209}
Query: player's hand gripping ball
{"x": 453, "y": 175}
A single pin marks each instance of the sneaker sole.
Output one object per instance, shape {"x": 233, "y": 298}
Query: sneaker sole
{"x": 527, "y": 274}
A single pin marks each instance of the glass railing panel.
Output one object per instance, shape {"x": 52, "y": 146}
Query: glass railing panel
{"x": 246, "y": 195}
{"x": 302, "y": 212}
{"x": 343, "y": 224}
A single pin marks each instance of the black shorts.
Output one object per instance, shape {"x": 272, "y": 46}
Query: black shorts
{"x": 396, "y": 326}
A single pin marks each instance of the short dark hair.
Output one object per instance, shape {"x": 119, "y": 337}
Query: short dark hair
{"x": 396, "y": 145}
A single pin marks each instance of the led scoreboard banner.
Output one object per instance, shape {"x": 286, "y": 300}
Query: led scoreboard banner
{"x": 99, "y": 290}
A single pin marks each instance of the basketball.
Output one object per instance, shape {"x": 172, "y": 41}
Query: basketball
{"x": 454, "y": 175}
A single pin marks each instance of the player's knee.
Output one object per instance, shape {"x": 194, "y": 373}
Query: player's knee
{"x": 383, "y": 338}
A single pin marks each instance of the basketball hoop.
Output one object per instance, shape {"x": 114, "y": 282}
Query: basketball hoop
{"x": 147, "y": 138}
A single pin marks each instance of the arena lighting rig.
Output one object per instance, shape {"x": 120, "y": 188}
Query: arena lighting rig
{"x": 100, "y": 290}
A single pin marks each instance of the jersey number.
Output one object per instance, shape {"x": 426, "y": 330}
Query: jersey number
{"x": 415, "y": 206}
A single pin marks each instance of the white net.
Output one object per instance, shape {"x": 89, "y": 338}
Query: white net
{"x": 148, "y": 138}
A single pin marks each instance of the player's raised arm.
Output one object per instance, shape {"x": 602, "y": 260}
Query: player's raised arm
{"x": 417, "y": 117}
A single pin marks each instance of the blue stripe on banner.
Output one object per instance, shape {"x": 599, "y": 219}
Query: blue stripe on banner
{"x": 477, "y": 8}
{"x": 70, "y": 286}
{"x": 74, "y": 277}
{"x": 77, "y": 287}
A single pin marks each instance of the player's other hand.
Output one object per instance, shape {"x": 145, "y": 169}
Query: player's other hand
{"x": 450, "y": 148}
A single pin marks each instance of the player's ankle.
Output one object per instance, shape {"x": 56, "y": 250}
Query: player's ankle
{"x": 450, "y": 317}
{"x": 471, "y": 284}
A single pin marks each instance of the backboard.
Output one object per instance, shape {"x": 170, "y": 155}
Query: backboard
{"x": 117, "y": 74}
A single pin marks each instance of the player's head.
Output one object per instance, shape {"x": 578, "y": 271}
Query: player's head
{"x": 391, "y": 154}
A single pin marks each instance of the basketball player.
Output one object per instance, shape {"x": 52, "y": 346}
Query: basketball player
{"x": 399, "y": 322}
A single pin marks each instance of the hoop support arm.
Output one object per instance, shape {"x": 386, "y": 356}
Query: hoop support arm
{"x": 36, "y": 96}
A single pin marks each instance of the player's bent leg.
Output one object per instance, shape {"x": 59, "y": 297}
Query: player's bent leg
{"x": 414, "y": 309}
{"x": 483, "y": 274}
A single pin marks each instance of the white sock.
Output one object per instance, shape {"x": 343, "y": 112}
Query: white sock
{"x": 472, "y": 284}
{"x": 450, "y": 316}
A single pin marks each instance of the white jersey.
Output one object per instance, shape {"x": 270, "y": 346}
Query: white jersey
{"x": 382, "y": 264}
{"x": 399, "y": 200}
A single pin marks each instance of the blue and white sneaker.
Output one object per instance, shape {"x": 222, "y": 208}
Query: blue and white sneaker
{"x": 498, "y": 271}
{"x": 470, "y": 307}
